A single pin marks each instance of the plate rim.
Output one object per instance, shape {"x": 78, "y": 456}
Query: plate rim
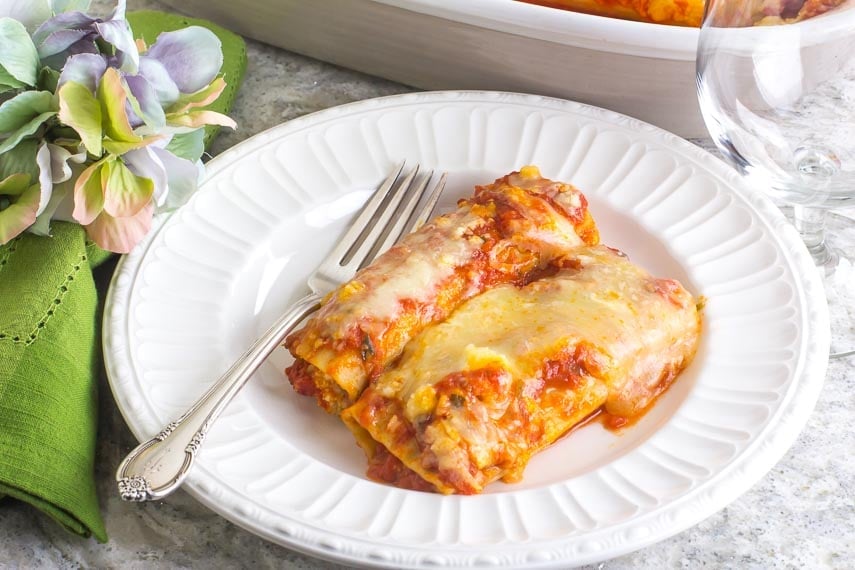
{"x": 722, "y": 489}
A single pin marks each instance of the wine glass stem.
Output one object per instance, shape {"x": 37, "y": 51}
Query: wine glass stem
{"x": 810, "y": 223}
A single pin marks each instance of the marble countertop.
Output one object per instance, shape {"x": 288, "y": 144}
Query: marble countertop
{"x": 800, "y": 515}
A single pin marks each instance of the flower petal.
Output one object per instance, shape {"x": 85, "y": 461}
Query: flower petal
{"x": 20, "y": 110}
{"x": 200, "y": 98}
{"x": 183, "y": 179}
{"x": 158, "y": 77}
{"x": 143, "y": 162}
{"x": 133, "y": 119}
{"x": 119, "y": 10}
{"x": 125, "y": 193}
{"x": 144, "y": 102}
{"x": 121, "y": 147}
{"x": 57, "y": 61}
{"x": 166, "y": 131}
{"x": 118, "y": 34}
{"x": 31, "y": 13}
{"x": 193, "y": 56}
{"x": 66, "y": 21}
{"x": 114, "y": 117}
{"x": 200, "y": 119}
{"x": 59, "y": 6}
{"x": 59, "y": 200}
{"x": 59, "y": 159}
{"x": 83, "y": 68}
{"x": 18, "y": 56}
{"x": 74, "y": 20}
{"x": 45, "y": 177}
{"x": 79, "y": 109}
{"x": 59, "y": 41}
{"x": 19, "y": 215}
{"x": 120, "y": 235}
{"x": 89, "y": 194}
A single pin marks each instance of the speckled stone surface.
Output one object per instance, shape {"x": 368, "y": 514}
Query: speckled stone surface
{"x": 800, "y": 515}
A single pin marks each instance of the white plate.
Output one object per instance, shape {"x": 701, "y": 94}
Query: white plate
{"x": 210, "y": 278}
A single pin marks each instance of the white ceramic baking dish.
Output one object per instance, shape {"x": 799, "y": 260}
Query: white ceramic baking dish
{"x": 643, "y": 70}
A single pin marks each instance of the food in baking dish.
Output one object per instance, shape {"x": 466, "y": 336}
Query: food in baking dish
{"x": 674, "y": 12}
{"x": 506, "y": 233}
{"x": 473, "y": 397}
{"x": 690, "y": 12}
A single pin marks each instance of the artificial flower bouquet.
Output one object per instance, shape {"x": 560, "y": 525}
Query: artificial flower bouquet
{"x": 96, "y": 127}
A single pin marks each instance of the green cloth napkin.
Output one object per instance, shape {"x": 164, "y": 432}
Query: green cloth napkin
{"x": 49, "y": 343}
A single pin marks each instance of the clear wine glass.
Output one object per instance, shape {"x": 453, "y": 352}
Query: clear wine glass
{"x": 776, "y": 85}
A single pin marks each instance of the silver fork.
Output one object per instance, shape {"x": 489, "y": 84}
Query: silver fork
{"x": 159, "y": 466}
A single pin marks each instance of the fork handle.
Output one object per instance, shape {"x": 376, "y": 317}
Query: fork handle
{"x": 158, "y": 466}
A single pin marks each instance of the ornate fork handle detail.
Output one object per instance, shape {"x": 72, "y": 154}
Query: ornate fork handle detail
{"x": 158, "y": 466}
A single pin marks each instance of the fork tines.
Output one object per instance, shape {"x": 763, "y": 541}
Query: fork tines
{"x": 391, "y": 213}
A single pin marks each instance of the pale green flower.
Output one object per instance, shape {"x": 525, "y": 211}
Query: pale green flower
{"x": 19, "y": 202}
{"x": 95, "y": 127}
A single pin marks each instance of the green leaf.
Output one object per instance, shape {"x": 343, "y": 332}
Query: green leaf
{"x": 21, "y": 159}
{"x": 9, "y": 83}
{"x": 188, "y": 146}
{"x": 112, "y": 97}
{"x": 125, "y": 193}
{"x": 19, "y": 110}
{"x": 18, "y": 55}
{"x": 28, "y": 129}
{"x": 79, "y": 109}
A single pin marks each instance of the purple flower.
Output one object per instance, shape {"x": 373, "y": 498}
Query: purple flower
{"x": 71, "y": 33}
{"x": 192, "y": 57}
{"x": 178, "y": 64}
{"x": 91, "y": 129}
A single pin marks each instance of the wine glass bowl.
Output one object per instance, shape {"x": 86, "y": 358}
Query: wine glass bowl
{"x": 777, "y": 94}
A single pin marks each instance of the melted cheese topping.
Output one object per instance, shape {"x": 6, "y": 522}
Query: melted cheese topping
{"x": 425, "y": 260}
{"x": 473, "y": 397}
{"x": 507, "y": 230}
{"x": 608, "y": 303}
